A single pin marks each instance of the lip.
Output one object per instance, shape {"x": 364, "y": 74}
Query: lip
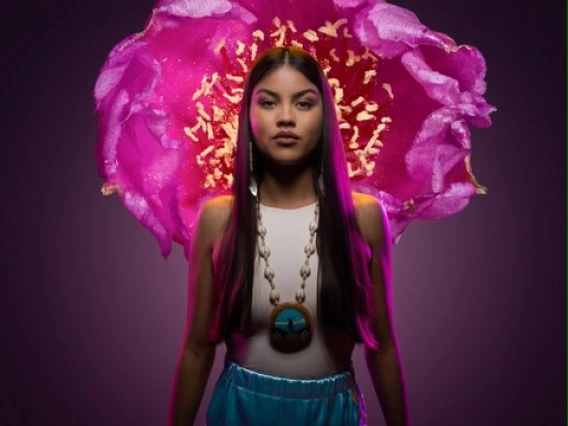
{"x": 286, "y": 135}
{"x": 285, "y": 140}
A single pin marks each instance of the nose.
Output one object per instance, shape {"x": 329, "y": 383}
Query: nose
{"x": 286, "y": 117}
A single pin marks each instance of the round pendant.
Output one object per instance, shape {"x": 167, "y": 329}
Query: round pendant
{"x": 290, "y": 327}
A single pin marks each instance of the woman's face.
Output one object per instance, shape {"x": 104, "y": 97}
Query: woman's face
{"x": 286, "y": 115}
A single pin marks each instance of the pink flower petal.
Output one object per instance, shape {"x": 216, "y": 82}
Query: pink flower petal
{"x": 153, "y": 149}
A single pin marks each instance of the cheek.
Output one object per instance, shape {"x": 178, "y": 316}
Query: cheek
{"x": 316, "y": 124}
{"x": 256, "y": 124}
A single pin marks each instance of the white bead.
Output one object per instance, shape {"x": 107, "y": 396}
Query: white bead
{"x": 305, "y": 271}
{"x": 264, "y": 251}
{"x": 269, "y": 273}
{"x": 309, "y": 249}
{"x": 274, "y": 297}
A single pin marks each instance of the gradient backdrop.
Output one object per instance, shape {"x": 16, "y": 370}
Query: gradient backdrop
{"x": 94, "y": 317}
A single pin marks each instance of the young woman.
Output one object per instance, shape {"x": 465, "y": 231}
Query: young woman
{"x": 291, "y": 270}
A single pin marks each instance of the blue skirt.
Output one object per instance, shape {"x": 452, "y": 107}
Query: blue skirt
{"x": 243, "y": 397}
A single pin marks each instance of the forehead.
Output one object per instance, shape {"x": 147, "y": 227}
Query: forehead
{"x": 283, "y": 80}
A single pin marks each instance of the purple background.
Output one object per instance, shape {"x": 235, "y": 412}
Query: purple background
{"x": 94, "y": 316}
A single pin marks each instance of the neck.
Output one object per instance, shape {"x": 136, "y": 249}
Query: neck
{"x": 287, "y": 187}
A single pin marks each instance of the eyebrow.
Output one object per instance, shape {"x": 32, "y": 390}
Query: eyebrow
{"x": 294, "y": 96}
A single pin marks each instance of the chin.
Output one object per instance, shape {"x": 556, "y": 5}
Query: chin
{"x": 287, "y": 163}
{"x": 287, "y": 157}
{"x": 287, "y": 160}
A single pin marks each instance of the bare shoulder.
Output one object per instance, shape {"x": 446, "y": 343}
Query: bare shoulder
{"x": 214, "y": 215}
{"x": 371, "y": 217}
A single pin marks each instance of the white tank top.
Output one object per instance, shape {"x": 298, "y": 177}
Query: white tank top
{"x": 329, "y": 351}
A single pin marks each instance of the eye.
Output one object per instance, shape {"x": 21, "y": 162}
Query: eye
{"x": 267, "y": 103}
{"x": 304, "y": 104}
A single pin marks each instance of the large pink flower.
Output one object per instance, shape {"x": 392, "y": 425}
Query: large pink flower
{"x": 168, "y": 98}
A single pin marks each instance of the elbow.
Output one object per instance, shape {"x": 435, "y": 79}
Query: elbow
{"x": 383, "y": 345}
{"x": 201, "y": 349}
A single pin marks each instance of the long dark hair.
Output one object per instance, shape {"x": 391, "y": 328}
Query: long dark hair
{"x": 345, "y": 296}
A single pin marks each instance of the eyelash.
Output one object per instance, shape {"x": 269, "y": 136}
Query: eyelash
{"x": 306, "y": 104}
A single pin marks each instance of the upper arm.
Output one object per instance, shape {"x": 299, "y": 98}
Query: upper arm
{"x": 210, "y": 224}
{"x": 373, "y": 223}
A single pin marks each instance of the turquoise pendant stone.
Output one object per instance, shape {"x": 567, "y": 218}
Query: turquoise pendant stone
{"x": 290, "y": 326}
{"x": 289, "y": 320}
